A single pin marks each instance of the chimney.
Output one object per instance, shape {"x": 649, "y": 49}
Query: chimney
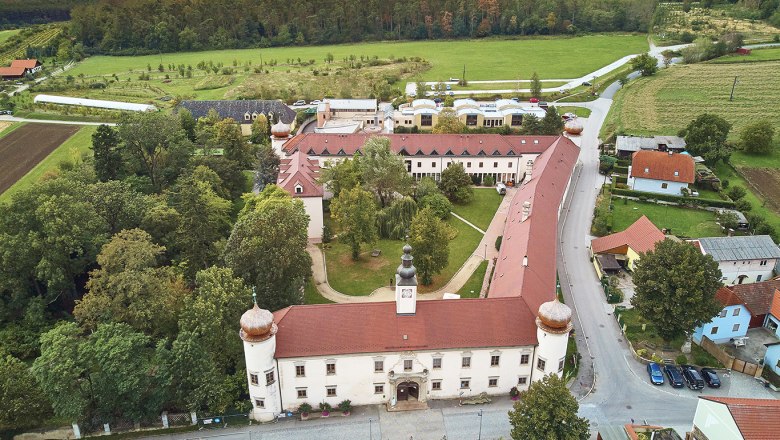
{"x": 670, "y": 152}
{"x": 526, "y": 210}
{"x": 525, "y": 261}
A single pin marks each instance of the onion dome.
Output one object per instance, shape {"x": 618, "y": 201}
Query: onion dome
{"x": 257, "y": 325}
{"x": 280, "y": 130}
{"x": 554, "y": 317}
{"x": 406, "y": 270}
{"x": 573, "y": 126}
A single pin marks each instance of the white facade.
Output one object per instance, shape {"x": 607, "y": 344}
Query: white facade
{"x": 550, "y": 355}
{"x": 746, "y": 271}
{"x": 313, "y": 207}
{"x": 657, "y": 186}
{"x": 713, "y": 421}
{"x": 262, "y": 377}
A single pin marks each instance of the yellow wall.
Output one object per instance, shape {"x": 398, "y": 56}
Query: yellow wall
{"x": 598, "y": 269}
{"x": 633, "y": 258}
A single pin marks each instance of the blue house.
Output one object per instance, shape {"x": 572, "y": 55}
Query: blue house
{"x": 772, "y": 357}
{"x": 745, "y": 306}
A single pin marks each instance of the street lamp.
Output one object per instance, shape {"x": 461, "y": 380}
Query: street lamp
{"x": 480, "y": 425}
{"x": 370, "y": 434}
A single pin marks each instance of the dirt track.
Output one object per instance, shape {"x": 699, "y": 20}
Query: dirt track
{"x": 24, "y": 147}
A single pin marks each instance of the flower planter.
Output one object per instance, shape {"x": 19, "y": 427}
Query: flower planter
{"x": 325, "y": 414}
{"x": 304, "y": 416}
{"x": 515, "y": 398}
{"x": 345, "y": 413}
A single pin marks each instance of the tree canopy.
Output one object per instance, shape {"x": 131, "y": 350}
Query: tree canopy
{"x": 455, "y": 184}
{"x": 757, "y": 137}
{"x": 706, "y": 136}
{"x": 355, "y": 211}
{"x": 675, "y": 288}
{"x": 429, "y": 236}
{"x": 383, "y": 171}
{"x": 547, "y": 411}
{"x": 645, "y": 63}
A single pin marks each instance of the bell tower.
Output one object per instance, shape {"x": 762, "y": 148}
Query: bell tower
{"x": 406, "y": 285}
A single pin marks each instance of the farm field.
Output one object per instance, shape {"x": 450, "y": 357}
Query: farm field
{"x": 37, "y": 37}
{"x": 756, "y": 55}
{"x": 26, "y": 146}
{"x": 5, "y": 35}
{"x": 510, "y": 59}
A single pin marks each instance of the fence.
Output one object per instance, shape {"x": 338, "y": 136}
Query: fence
{"x": 729, "y": 361}
{"x": 123, "y": 425}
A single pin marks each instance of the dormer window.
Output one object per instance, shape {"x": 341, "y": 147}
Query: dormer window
{"x": 647, "y": 170}
{"x": 676, "y": 173}
{"x": 254, "y": 116}
{"x": 298, "y": 189}
{"x": 247, "y": 116}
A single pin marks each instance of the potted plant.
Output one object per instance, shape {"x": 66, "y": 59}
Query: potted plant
{"x": 345, "y": 407}
{"x": 325, "y": 408}
{"x": 514, "y": 393}
{"x": 304, "y": 409}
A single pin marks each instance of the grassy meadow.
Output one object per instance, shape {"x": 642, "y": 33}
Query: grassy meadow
{"x": 5, "y": 35}
{"x": 756, "y": 55}
{"x": 482, "y": 208}
{"x": 684, "y": 222}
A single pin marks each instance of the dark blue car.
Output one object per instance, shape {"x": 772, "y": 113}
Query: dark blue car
{"x": 675, "y": 376}
{"x": 656, "y": 376}
{"x": 710, "y": 377}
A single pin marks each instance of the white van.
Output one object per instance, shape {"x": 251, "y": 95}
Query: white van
{"x": 501, "y": 188}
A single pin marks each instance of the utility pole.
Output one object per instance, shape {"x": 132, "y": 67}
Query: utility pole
{"x": 731, "y": 98}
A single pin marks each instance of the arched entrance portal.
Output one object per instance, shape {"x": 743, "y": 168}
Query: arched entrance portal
{"x": 407, "y": 391}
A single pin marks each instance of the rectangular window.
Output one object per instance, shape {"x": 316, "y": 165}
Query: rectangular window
{"x": 560, "y": 365}
{"x": 664, "y": 185}
{"x": 426, "y": 120}
{"x": 433, "y": 164}
{"x": 436, "y": 385}
{"x": 466, "y": 362}
{"x": 735, "y": 328}
{"x": 408, "y": 365}
{"x": 436, "y": 362}
{"x": 300, "y": 371}
{"x": 758, "y": 278}
{"x": 763, "y": 262}
{"x": 480, "y": 164}
{"x": 253, "y": 379}
{"x": 468, "y": 164}
{"x": 714, "y": 330}
{"x": 493, "y": 382}
{"x": 517, "y": 120}
{"x": 301, "y": 393}
{"x": 494, "y": 360}
{"x": 540, "y": 364}
{"x": 524, "y": 359}
{"x": 495, "y": 164}
{"x": 379, "y": 366}
{"x": 464, "y": 383}
{"x": 723, "y": 313}
{"x": 522, "y": 380}
{"x": 419, "y": 164}
{"x": 330, "y": 391}
{"x": 735, "y": 312}
{"x": 330, "y": 368}
{"x": 270, "y": 378}
{"x": 471, "y": 120}
{"x": 379, "y": 388}
{"x": 260, "y": 403}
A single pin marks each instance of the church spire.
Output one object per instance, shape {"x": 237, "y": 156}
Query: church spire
{"x": 406, "y": 284}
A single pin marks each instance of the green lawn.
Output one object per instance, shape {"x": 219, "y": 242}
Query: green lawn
{"x": 482, "y": 208}
{"x": 70, "y": 150}
{"x": 581, "y": 112}
{"x": 474, "y": 285}
{"x": 7, "y": 130}
{"x": 513, "y": 85}
{"x": 5, "y": 35}
{"x": 368, "y": 273}
{"x": 312, "y": 296}
{"x": 508, "y": 59}
{"x": 768, "y": 54}
{"x": 684, "y": 222}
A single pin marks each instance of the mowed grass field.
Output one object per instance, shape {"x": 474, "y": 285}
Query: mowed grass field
{"x": 496, "y": 59}
{"x": 5, "y": 35}
{"x": 756, "y": 55}
{"x": 684, "y": 222}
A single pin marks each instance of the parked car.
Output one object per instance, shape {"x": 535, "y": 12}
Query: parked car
{"x": 587, "y": 84}
{"x": 19, "y": 83}
{"x": 692, "y": 377}
{"x": 316, "y": 102}
{"x": 299, "y": 102}
{"x": 6, "y": 112}
{"x": 501, "y": 189}
{"x": 437, "y": 100}
{"x": 449, "y": 87}
{"x": 452, "y": 93}
{"x": 516, "y": 99}
{"x": 543, "y": 105}
{"x": 675, "y": 375}
{"x": 656, "y": 376}
{"x": 710, "y": 377}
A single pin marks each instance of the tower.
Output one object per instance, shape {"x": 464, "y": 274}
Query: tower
{"x": 258, "y": 331}
{"x": 280, "y": 134}
{"x": 553, "y": 324}
{"x": 406, "y": 285}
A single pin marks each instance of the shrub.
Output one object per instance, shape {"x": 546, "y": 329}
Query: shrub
{"x": 642, "y": 352}
{"x": 439, "y": 204}
{"x": 489, "y": 181}
{"x": 736, "y": 193}
{"x": 327, "y": 234}
{"x": 345, "y": 406}
{"x": 325, "y": 407}
{"x": 498, "y": 242}
{"x": 304, "y": 408}
{"x": 681, "y": 359}
{"x": 743, "y": 205}
{"x": 514, "y": 392}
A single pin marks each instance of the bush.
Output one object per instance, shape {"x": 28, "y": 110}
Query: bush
{"x": 439, "y": 204}
{"x": 743, "y": 205}
{"x": 498, "y": 242}
{"x": 327, "y": 234}
{"x": 681, "y": 359}
{"x": 345, "y": 406}
{"x": 304, "y": 408}
{"x": 724, "y": 183}
{"x": 489, "y": 181}
{"x": 736, "y": 193}
{"x": 325, "y": 407}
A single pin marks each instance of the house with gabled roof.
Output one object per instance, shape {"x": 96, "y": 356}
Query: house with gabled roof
{"x": 623, "y": 248}
{"x": 298, "y": 176}
{"x": 731, "y": 418}
{"x": 661, "y": 173}
{"x": 244, "y": 112}
{"x": 742, "y": 259}
{"x": 20, "y": 68}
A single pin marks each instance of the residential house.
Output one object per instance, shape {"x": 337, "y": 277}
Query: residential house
{"x": 20, "y": 68}
{"x": 731, "y": 418}
{"x": 742, "y": 259}
{"x": 624, "y": 246}
{"x": 298, "y": 176}
{"x": 625, "y": 146}
{"x": 32, "y": 65}
{"x": 661, "y": 173}
{"x": 244, "y": 112}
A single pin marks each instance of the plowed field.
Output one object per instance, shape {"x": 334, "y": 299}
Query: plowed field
{"x": 24, "y": 147}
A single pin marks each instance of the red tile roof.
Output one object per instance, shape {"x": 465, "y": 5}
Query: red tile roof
{"x": 536, "y": 237}
{"x": 658, "y": 165}
{"x": 726, "y": 297}
{"x": 775, "y": 308}
{"x": 320, "y": 144}
{"x": 335, "y": 329}
{"x": 757, "y": 297}
{"x": 27, "y": 64}
{"x": 757, "y": 419}
{"x": 12, "y": 71}
{"x": 296, "y": 170}
{"x": 640, "y": 236}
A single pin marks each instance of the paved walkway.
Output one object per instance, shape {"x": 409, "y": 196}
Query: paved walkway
{"x": 485, "y": 250}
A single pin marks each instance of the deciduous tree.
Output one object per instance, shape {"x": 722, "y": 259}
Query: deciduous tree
{"x": 706, "y": 136}
{"x": 455, "y": 184}
{"x": 22, "y": 401}
{"x": 261, "y": 130}
{"x": 355, "y": 211}
{"x": 340, "y": 176}
{"x": 645, "y": 63}
{"x": 757, "y": 137}
{"x": 547, "y": 410}
{"x": 267, "y": 169}
{"x": 429, "y": 237}
{"x": 675, "y": 288}
{"x": 383, "y": 171}
{"x": 448, "y": 122}
{"x": 105, "y": 150}
{"x": 227, "y": 135}
{"x": 440, "y": 206}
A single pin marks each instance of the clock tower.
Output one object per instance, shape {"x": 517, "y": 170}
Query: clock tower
{"x": 406, "y": 285}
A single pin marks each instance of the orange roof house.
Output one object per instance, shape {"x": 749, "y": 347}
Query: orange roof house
{"x": 658, "y": 165}
{"x": 759, "y": 298}
{"x": 626, "y": 245}
{"x": 12, "y": 72}
{"x": 736, "y": 418}
{"x": 31, "y": 64}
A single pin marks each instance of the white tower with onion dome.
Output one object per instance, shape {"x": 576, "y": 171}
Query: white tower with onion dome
{"x": 258, "y": 331}
{"x": 280, "y": 134}
{"x": 406, "y": 285}
{"x": 553, "y": 324}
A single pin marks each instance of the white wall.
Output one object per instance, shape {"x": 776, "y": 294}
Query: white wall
{"x": 355, "y": 377}
{"x": 714, "y": 420}
{"x": 732, "y": 270}
{"x": 655, "y": 186}
{"x": 259, "y": 358}
{"x": 552, "y": 349}
{"x": 313, "y": 207}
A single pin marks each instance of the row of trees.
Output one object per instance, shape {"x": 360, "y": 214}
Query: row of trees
{"x": 123, "y": 276}
{"x": 376, "y": 198}
{"x": 151, "y": 25}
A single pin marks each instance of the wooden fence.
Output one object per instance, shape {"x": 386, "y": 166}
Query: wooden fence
{"x": 729, "y": 361}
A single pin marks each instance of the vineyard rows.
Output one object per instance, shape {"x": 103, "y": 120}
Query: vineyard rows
{"x": 38, "y": 40}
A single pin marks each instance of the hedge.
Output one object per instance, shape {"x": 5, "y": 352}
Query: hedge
{"x": 675, "y": 199}
{"x": 620, "y": 169}
{"x": 621, "y": 179}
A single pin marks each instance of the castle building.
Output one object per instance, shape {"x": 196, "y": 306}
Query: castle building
{"x": 408, "y": 351}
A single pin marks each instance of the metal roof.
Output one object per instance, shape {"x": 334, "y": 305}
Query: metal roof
{"x": 352, "y": 104}
{"x": 636, "y": 143}
{"x": 754, "y": 247}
